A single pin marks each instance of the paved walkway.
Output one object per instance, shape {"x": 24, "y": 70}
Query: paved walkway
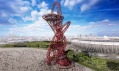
{"x": 29, "y": 59}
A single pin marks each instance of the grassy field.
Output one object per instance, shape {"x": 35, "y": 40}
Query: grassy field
{"x": 35, "y": 44}
{"x": 93, "y": 62}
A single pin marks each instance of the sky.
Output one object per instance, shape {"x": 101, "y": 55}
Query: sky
{"x": 94, "y": 17}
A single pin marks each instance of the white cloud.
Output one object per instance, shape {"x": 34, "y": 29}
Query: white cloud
{"x": 104, "y": 26}
{"x": 24, "y": 9}
{"x": 103, "y": 23}
{"x": 70, "y": 3}
{"x": 11, "y": 8}
{"x": 27, "y": 18}
{"x": 13, "y": 21}
{"x": 39, "y": 27}
{"x": 33, "y": 2}
{"x": 106, "y": 20}
{"x": 35, "y": 14}
{"x": 92, "y": 2}
{"x": 3, "y": 14}
{"x": 85, "y": 7}
{"x": 88, "y": 5}
{"x": 16, "y": 5}
{"x": 43, "y": 5}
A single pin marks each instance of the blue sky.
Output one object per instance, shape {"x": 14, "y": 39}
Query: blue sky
{"x": 24, "y": 17}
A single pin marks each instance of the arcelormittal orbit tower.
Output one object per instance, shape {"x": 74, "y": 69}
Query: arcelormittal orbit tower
{"x": 56, "y": 52}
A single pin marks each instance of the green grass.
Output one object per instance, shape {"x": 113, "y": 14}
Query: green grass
{"x": 35, "y": 44}
{"x": 95, "y": 63}
{"x": 7, "y": 45}
{"x": 38, "y": 44}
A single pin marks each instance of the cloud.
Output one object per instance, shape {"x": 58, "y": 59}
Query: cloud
{"x": 106, "y": 20}
{"x": 70, "y": 3}
{"x": 104, "y": 23}
{"x": 39, "y": 27}
{"x": 9, "y": 9}
{"x": 43, "y": 5}
{"x": 26, "y": 6}
{"x": 84, "y": 4}
{"x": 33, "y": 2}
{"x": 13, "y": 21}
{"x": 35, "y": 15}
{"x": 104, "y": 27}
{"x": 3, "y": 14}
{"x": 25, "y": 9}
{"x": 85, "y": 7}
{"x": 36, "y": 29}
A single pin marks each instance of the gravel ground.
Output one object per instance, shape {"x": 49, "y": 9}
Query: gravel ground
{"x": 29, "y": 59}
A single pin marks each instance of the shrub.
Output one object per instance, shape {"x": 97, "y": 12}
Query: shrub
{"x": 96, "y": 63}
{"x": 113, "y": 65}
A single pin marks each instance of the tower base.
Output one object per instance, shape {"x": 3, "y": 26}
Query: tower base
{"x": 64, "y": 62}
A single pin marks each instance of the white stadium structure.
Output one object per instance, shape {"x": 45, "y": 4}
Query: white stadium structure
{"x": 95, "y": 46}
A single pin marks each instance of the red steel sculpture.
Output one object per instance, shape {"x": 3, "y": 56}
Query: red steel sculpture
{"x": 56, "y": 51}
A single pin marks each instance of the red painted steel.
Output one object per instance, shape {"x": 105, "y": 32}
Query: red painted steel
{"x": 56, "y": 51}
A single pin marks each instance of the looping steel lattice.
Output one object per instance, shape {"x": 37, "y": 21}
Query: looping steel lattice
{"x": 56, "y": 51}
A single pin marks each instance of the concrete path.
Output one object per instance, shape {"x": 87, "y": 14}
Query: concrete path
{"x": 29, "y": 59}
